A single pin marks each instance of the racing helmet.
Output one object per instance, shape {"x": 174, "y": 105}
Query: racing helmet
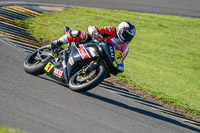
{"x": 126, "y": 31}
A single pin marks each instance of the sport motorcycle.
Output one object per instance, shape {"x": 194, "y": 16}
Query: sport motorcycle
{"x": 82, "y": 67}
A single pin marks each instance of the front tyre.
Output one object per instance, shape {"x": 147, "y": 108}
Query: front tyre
{"x": 78, "y": 84}
{"x": 34, "y": 66}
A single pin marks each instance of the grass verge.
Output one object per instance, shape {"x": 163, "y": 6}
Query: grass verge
{"x": 6, "y": 130}
{"x": 164, "y": 57}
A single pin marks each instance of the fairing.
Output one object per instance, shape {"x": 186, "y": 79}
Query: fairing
{"x": 63, "y": 70}
{"x": 81, "y": 56}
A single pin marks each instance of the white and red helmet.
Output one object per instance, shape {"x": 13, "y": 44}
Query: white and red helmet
{"x": 126, "y": 31}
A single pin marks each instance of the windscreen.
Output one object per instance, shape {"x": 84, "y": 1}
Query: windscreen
{"x": 120, "y": 49}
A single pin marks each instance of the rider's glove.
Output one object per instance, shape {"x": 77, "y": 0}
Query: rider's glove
{"x": 98, "y": 36}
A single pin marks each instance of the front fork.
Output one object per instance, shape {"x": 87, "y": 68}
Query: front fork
{"x": 46, "y": 60}
{"x": 92, "y": 66}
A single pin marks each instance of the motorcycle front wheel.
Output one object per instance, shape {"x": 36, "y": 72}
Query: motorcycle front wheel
{"x": 32, "y": 64}
{"x": 81, "y": 82}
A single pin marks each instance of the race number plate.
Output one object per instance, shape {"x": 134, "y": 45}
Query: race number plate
{"x": 48, "y": 67}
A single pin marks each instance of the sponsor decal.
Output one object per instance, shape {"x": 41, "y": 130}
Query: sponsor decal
{"x": 82, "y": 51}
{"x": 54, "y": 56}
{"x": 92, "y": 52}
{"x": 82, "y": 35}
{"x": 112, "y": 52}
{"x": 71, "y": 61}
{"x": 118, "y": 56}
{"x": 48, "y": 67}
{"x": 57, "y": 72}
{"x": 64, "y": 64}
{"x": 114, "y": 63}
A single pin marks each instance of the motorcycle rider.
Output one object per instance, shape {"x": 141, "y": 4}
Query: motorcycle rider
{"x": 124, "y": 32}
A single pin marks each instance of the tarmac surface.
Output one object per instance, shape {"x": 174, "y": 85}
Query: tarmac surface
{"x": 189, "y": 8}
{"x": 40, "y": 104}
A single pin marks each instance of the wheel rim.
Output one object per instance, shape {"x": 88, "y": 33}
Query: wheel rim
{"x": 35, "y": 59}
{"x": 81, "y": 78}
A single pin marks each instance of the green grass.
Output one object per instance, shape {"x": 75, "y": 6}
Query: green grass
{"x": 164, "y": 57}
{"x": 6, "y": 130}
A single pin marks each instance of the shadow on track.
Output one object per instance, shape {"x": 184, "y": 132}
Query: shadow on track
{"x": 141, "y": 111}
{"x": 125, "y": 106}
{"x": 52, "y": 80}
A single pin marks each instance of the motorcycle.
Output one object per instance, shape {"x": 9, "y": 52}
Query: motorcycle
{"x": 82, "y": 67}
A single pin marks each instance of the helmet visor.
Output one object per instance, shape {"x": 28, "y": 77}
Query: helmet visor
{"x": 127, "y": 36}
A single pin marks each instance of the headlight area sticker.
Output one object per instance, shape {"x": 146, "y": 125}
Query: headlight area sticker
{"x": 48, "y": 67}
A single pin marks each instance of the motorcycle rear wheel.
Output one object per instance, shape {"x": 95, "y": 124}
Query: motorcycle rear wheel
{"x": 97, "y": 78}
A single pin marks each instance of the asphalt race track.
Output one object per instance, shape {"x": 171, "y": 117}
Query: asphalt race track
{"x": 38, "y": 104}
{"x": 189, "y": 8}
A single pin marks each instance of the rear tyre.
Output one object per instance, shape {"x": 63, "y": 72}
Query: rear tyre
{"x": 98, "y": 75}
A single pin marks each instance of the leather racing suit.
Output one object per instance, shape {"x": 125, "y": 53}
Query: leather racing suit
{"x": 71, "y": 35}
{"x": 109, "y": 33}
